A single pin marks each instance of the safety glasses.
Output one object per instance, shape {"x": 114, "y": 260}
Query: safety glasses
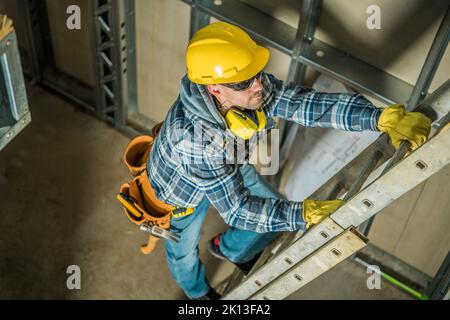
{"x": 243, "y": 85}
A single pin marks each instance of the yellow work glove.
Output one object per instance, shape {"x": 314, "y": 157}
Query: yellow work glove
{"x": 315, "y": 211}
{"x": 400, "y": 125}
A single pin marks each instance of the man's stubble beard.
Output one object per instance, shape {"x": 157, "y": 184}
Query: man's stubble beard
{"x": 257, "y": 105}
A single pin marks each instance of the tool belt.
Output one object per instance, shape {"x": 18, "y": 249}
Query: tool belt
{"x": 139, "y": 200}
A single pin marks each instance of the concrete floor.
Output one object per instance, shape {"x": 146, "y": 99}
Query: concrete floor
{"x": 58, "y": 181}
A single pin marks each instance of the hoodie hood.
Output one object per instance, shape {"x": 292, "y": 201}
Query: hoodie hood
{"x": 199, "y": 103}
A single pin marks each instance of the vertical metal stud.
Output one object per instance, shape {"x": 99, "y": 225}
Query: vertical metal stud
{"x": 199, "y": 19}
{"x": 432, "y": 61}
{"x": 440, "y": 286}
{"x": 128, "y": 61}
{"x": 108, "y": 48}
{"x": 305, "y": 33}
{"x": 33, "y": 35}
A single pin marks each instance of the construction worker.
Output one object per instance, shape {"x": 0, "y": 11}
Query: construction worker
{"x": 226, "y": 95}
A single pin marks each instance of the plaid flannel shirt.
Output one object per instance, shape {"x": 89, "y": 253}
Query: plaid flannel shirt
{"x": 187, "y": 158}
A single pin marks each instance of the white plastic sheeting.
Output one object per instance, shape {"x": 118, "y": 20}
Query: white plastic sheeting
{"x": 319, "y": 153}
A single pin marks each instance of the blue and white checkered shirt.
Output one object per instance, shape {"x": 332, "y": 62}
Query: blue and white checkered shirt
{"x": 189, "y": 158}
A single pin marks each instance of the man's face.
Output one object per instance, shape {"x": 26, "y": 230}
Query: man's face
{"x": 250, "y": 98}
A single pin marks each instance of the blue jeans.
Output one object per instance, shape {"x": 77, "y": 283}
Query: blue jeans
{"x": 237, "y": 245}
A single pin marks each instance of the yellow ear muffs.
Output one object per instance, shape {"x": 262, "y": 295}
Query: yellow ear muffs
{"x": 243, "y": 124}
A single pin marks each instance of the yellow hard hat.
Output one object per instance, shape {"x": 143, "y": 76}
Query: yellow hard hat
{"x": 223, "y": 53}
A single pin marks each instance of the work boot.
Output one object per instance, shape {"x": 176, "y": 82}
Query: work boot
{"x": 211, "y": 295}
{"x": 214, "y": 250}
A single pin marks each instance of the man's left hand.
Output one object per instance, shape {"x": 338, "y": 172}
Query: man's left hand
{"x": 400, "y": 125}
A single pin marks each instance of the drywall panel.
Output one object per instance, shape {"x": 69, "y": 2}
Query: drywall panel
{"x": 278, "y": 64}
{"x": 423, "y": 240}
{"x": 12, "y": 9}
{"x": 162, "y": 34}
{"x": 389, "y": 224}
{"x": 432, "y": 214}
{"x": 443, "y": 71}
{"x": 72, "y": 49}
{"x": 287, "y": 11}
{"x": 427, "y": 215}
{"x": 399, "y": 47}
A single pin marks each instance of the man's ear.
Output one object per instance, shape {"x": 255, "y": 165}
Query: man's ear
{"x": 213, "y": 89}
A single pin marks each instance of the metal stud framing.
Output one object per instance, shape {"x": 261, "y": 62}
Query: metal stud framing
{"x": 107, "y": 57}
{"x": 32, "y": 29}
{"x": 129, "y": 71}
{"x": 114, "y": 58}
{"x": 431, "y": 64}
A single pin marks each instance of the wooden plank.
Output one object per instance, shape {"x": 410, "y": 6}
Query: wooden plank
{"x": 5, "y": 26}
{"x": 12, "y": 9}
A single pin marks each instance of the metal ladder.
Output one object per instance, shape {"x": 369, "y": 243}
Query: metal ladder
{"x": 297, "y": 258}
